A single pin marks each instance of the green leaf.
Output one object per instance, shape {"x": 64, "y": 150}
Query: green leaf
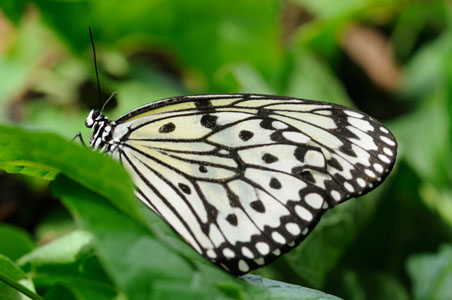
{"x": 431, "y": 274}
{"x": 69, "y": 262}
{"x": 14, "y": 242}
{"x": 8, "y": 268}
{"x": 41, "y": 154}
{"x": 13, "y": 280}
{"x": 282, "y": 290}
{"x": 64, "y": 250}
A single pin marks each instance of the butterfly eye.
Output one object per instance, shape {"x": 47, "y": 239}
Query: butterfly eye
{"x": 93, "y": 115}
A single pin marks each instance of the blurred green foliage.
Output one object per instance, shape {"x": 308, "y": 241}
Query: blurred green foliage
{"x": 391, "y": 59}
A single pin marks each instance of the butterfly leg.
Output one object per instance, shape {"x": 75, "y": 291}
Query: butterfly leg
{"x": 80, "y": 137}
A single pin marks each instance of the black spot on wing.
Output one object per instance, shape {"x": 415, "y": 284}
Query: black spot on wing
{"x": 275, "y": 184}
{"x": 209, "y": 121}
{"x": 269, "y": 158}
{"x": 168, "y": 127}
{"x": 245, "y": 135}
{"x": 232, "y": 219}
{"x": 258, "y": 206}
{"x": 202, "y": 169}
{"x": 201, "y": 104}
{"x": 185, "y": 188}
{"x": 303, "y": 174}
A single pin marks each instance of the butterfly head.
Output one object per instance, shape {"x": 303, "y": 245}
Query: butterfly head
{"x": 101, "y": 129}
{"x": 94, "y": 116}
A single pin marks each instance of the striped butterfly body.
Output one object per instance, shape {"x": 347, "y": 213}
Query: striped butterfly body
{"x": 243, "y": 178}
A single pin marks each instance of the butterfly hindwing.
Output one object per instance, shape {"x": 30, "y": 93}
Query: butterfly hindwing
{"x": 244, "y": 178}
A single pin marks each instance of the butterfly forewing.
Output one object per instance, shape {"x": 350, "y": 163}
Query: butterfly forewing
{"x": 244, "y": 178}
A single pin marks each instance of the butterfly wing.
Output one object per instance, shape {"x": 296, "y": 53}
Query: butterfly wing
{"x": 244, "y": 178}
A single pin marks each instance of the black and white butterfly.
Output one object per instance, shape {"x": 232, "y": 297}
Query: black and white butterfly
{"x": 243, "y": 178}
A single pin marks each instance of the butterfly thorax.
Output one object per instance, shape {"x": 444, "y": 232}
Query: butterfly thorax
{"x": 101, "y": 137}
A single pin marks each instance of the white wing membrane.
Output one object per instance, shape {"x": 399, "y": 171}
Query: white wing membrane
{"x": 244, "y": 178}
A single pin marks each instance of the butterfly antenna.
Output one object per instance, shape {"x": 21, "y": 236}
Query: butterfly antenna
{"x": 108, "y": 100}
{"x": 95, "y": 66}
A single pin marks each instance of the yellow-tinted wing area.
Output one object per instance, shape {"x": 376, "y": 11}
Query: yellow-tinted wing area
{"x": 244, "y": 178}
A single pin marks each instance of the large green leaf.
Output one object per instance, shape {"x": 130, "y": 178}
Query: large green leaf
{"x": 45, "y": 155}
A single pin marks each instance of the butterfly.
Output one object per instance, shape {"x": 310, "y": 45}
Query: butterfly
{"x": 244, "y": 178}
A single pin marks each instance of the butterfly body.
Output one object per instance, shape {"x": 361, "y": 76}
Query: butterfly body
{"x": 243, "y": 178}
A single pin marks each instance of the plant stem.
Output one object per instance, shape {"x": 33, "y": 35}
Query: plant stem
{"x": 19, "y": 287}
